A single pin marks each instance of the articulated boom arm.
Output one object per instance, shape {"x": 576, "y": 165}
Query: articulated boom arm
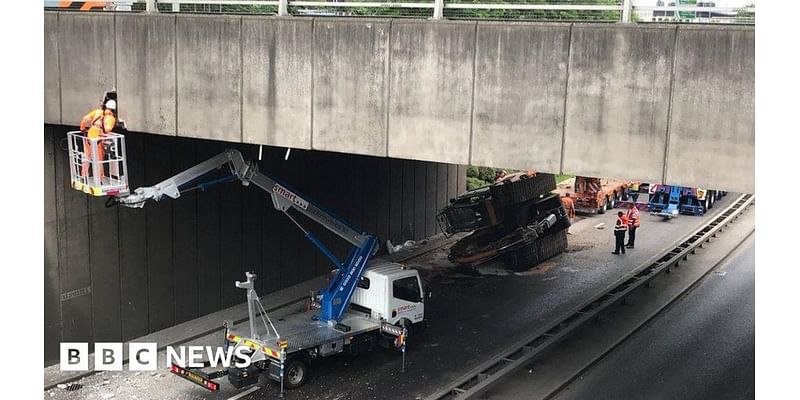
{"x": 336, "y": 297}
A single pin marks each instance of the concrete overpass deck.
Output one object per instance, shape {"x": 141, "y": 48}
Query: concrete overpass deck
{"x": 657, "y": 103}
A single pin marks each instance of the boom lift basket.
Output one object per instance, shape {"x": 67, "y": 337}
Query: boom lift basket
{"x": 97, "y": 166}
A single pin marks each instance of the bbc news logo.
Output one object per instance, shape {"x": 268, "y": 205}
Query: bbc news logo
{"x": 144, "y": 356}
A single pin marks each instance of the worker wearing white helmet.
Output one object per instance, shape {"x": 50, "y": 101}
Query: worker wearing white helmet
{"x": 97, "y": 124}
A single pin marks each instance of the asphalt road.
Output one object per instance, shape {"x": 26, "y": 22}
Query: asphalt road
{"x": 471, "y": 319}
{"x": 702, "y": 347}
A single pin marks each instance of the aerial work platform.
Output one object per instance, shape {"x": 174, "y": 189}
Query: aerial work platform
{"x": 97, "y": 166}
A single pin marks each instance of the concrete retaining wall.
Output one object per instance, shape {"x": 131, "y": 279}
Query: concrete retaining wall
{"x": 113, "y": 274}
{"x": 643, "y": 102}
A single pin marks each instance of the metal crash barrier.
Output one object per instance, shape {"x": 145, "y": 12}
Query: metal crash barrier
{"x": 97, "y": 166}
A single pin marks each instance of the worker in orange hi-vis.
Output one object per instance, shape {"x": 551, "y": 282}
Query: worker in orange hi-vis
{"x": 620, "y": 227}
{"x": 633, "y": 224}
{"x": 569, "y": 207}
{"x": 97, "y": 124}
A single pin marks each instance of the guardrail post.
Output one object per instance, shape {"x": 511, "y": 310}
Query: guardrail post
{"x": 438, "y": 8}
{"x": 176, "y": 7}
{"x": 283, "y": 7}
{"x": 626, "y": 11}
{"x": 151, "y": 6}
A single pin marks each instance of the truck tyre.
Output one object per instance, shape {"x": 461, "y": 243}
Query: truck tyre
{"x": 514, "y": 191}
{"x": 296, "y": 373}
{"x": 611, "y": 202}
{"x": 602, "y": 208}
{"x": 713, "y": 197}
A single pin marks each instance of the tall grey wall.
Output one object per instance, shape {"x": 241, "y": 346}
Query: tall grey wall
{"x": 669, "y": 103}
{"x": 113, "y": 274}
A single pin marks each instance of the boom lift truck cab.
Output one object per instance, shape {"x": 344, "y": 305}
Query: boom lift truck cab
{"x": 368, "y": 302}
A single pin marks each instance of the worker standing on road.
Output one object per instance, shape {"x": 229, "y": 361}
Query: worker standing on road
{"x": 569, "y": 207}
{"x": 619, "y": 233}
{"x": 97, "y": 124}
{"x": 633, "y": 224}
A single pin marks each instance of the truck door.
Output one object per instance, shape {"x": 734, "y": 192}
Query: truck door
{"x": 407, "y": 300}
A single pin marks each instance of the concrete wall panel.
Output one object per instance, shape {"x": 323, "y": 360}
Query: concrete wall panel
{"x": 145, "y": 46}
{"x": 52, "y": 78}
{"x": 712, "y": 131}
{"x": 617, "y": 101}
{"x": 350, "y": 64}
{"x": 209, "y": 77}
{"x": 104, "y": 263}
{"x": 160, "y": 240}
{"x": 133, "y": 255}
{"x": 86, "y": 60}
{"x": 276, "y": 81}
{"x": 184, "y": 236}
{"x": 431, "y": 90}
{"x": 520, "y": 82}
{"x": 52, "y": 303}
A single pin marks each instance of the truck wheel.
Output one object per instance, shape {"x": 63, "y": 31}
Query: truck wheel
{"x": 602, "y": 208}
{"x": 296, "y": 373}
{"x": 611, "y": 202}
{"x": 713, "y": 199}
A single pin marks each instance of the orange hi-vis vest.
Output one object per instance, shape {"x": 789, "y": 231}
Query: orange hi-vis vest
{"x": 99, "y": 122}
{"x": 633, "y": 217}
{"x": 622, "y": 225}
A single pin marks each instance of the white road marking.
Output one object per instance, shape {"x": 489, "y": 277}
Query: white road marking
{"x": 245, "y": 393}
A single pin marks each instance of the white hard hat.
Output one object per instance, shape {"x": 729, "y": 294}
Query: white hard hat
{"x": 111, "y": 105}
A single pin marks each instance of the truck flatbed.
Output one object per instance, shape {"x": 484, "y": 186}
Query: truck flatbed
{"x": 302, "y": 332}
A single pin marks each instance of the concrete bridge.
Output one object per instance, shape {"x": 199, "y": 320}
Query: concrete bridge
{"x": 659, "y": 103}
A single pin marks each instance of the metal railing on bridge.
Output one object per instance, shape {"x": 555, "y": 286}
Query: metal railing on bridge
{"x": 682, "y": 11}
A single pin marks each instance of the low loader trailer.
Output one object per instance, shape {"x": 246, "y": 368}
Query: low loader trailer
{"x": 669, "y": 201}
{"x": 368, "y": 303}
{"x": 596, "y": 196}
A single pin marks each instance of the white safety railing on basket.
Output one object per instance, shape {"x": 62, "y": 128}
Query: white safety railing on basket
{"x": 524, "y": 10}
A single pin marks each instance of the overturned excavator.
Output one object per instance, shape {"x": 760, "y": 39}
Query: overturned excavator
{"x": 516, "y": 220}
